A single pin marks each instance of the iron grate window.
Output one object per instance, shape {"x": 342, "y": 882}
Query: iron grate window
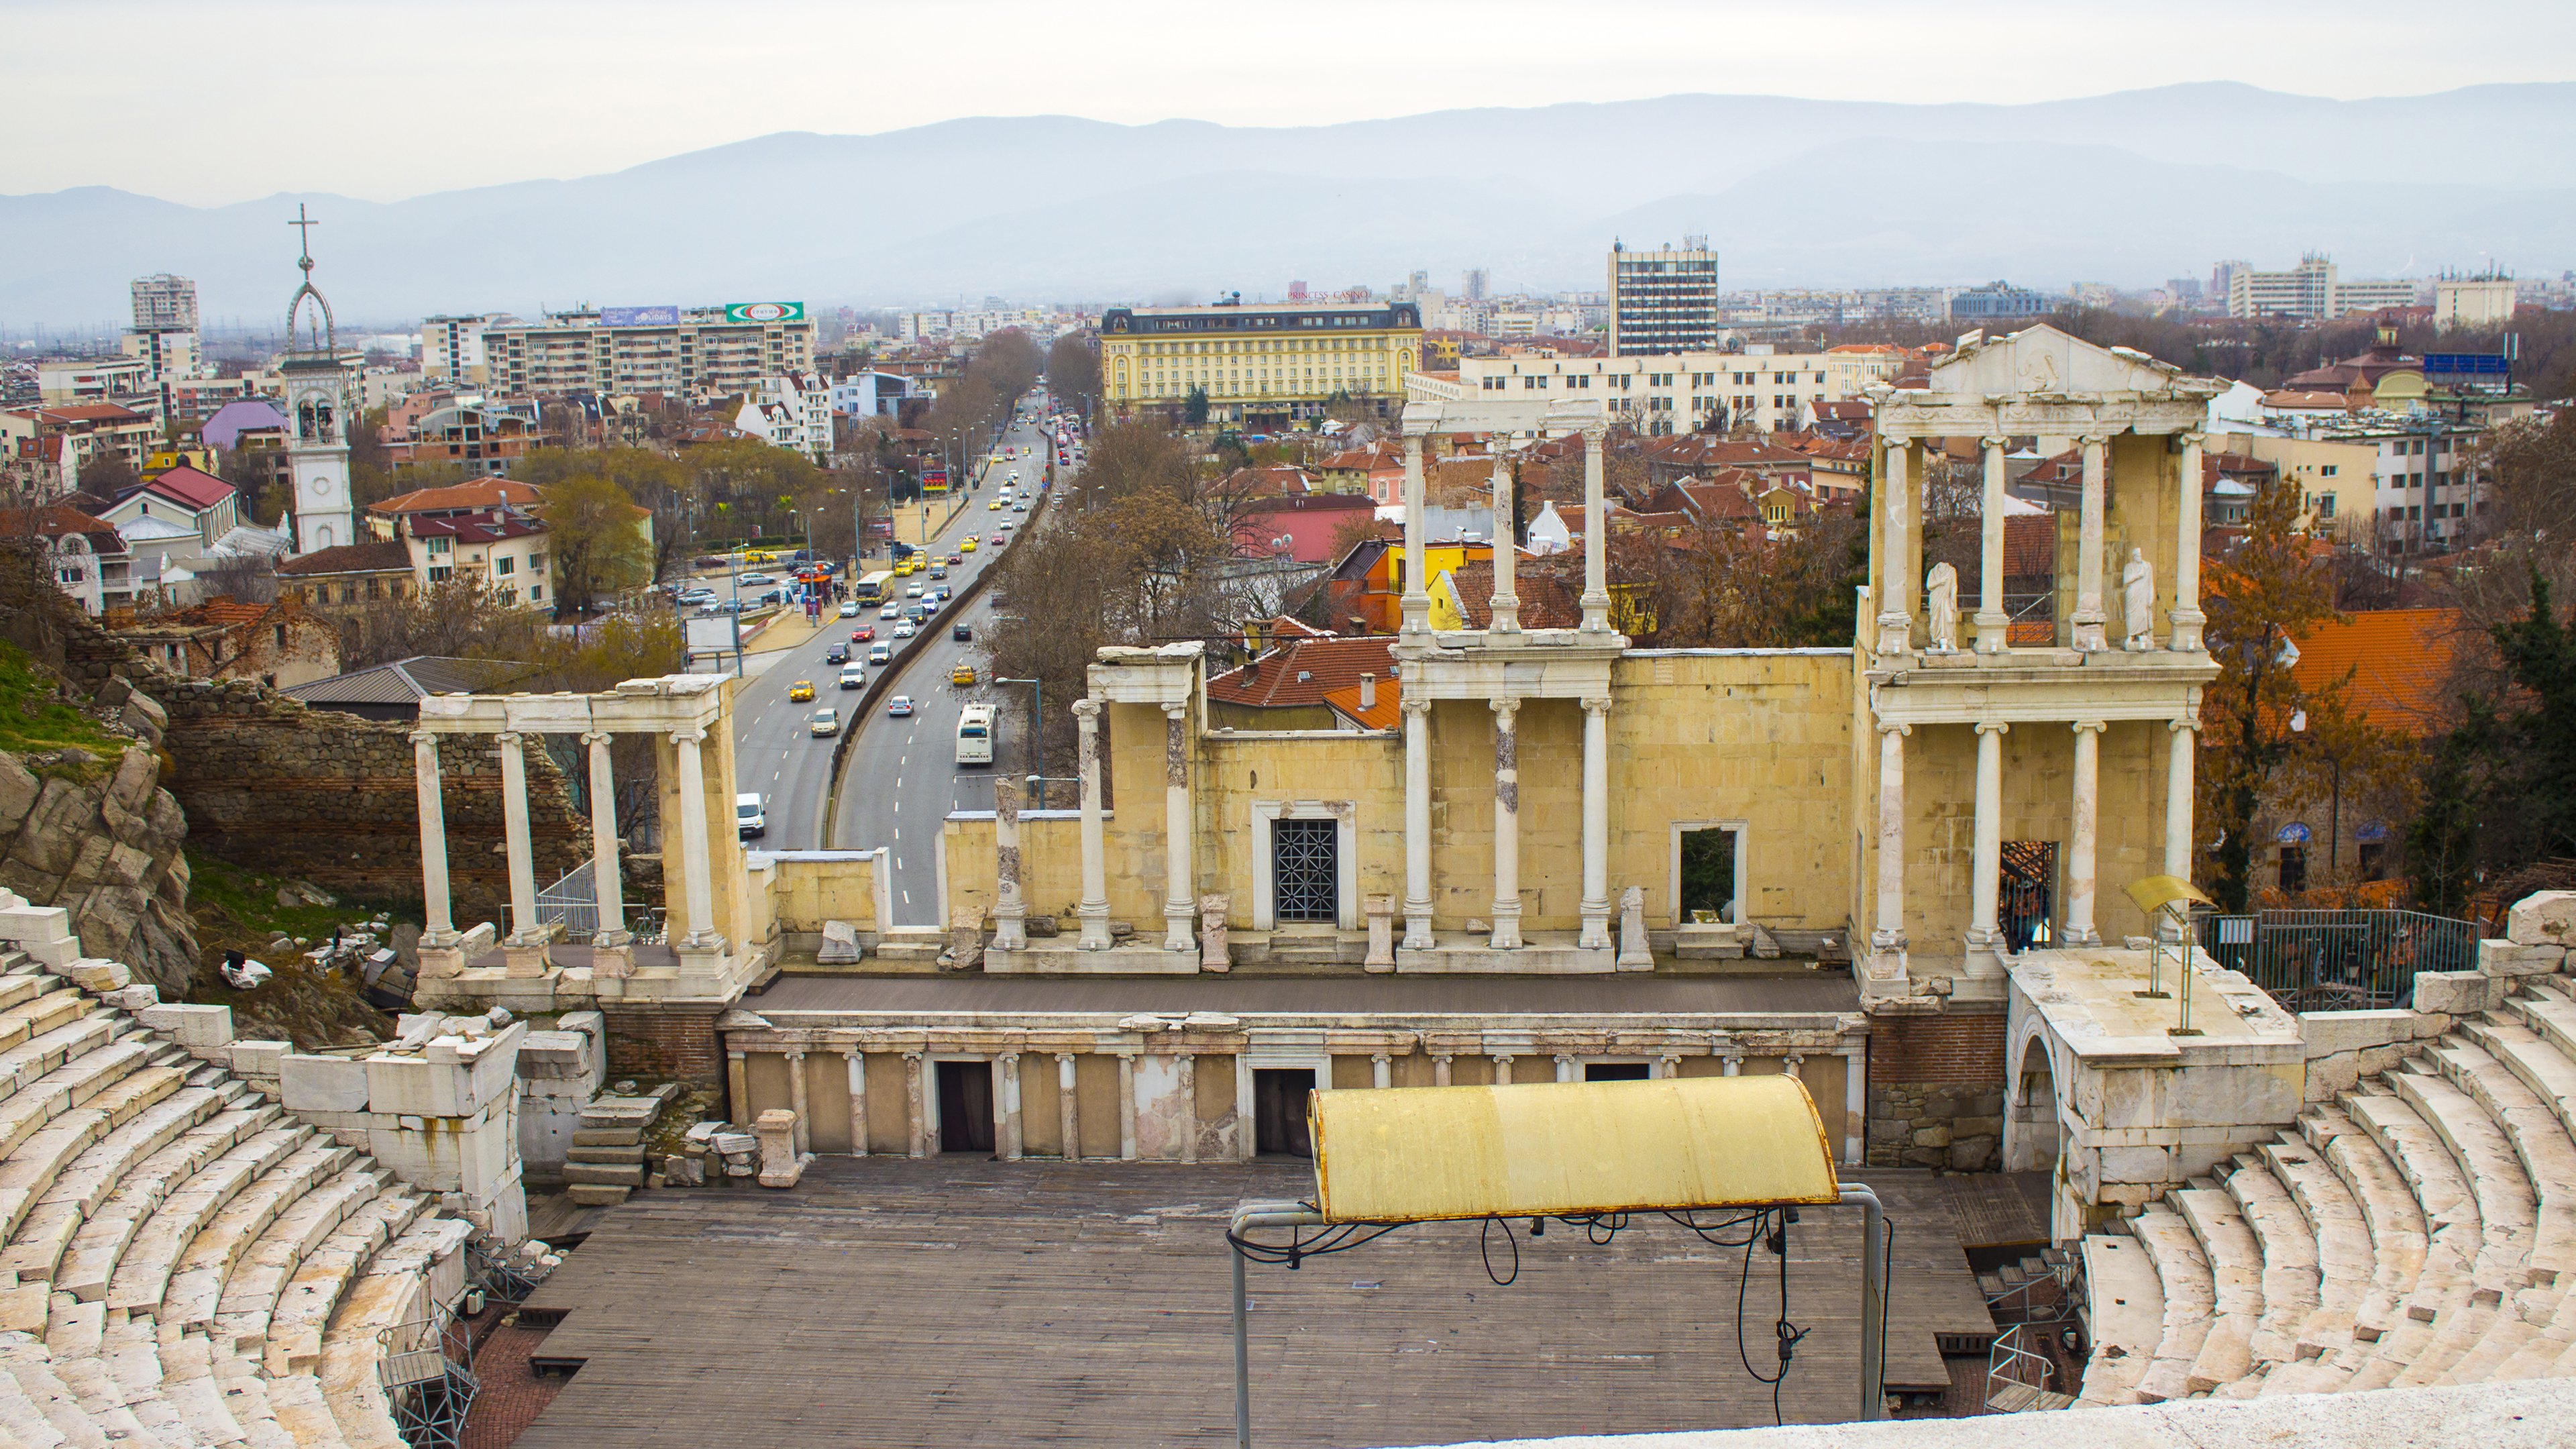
{"x": 1305, "y": 865}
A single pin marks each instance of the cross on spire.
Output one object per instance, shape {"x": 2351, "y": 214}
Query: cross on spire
{"x": 304, "y": 226}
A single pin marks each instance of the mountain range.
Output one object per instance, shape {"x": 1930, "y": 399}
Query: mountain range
{"x": 2130, "y": 189}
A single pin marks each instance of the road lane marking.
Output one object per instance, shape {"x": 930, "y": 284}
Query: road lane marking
{"x": 907, "y": 898}
{"x": 898, "y": 862}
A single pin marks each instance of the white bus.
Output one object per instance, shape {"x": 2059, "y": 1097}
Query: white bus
{"x": 975, "y": 735}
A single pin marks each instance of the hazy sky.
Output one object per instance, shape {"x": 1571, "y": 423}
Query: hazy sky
{"x": 222, "y": 100}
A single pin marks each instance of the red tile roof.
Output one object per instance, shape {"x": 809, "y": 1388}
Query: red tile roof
{"x": 190, "y": 487}
{"x": 462, "y": 497}
{"x": 381, "y": 557}
{"x": 1545, "y": 603}
{"x": 1272, "y": 681}
{"x": 2401, "y": 661}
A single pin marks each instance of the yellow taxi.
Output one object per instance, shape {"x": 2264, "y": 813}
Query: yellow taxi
{"x": 967, "y": 547}
{"x": 994, "y": 507}
{"x": 963, "y": 676}
{"x": 802, "y": 690}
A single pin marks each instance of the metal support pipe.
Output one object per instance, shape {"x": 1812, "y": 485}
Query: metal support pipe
{"x": 1873, "y": 1299}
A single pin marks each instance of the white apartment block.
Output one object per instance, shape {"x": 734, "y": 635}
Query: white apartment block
{"x": 793, "y": 411}
{"x": 2315, "y": 288}
{"x": 164, "y": 302}
{"x": 1664, "y": 302}
{"x": 451, "y": 348}
{"x": 2479, "y": 301}
{"x": 697, "y": 352}
{"x": 1759, "y": 388}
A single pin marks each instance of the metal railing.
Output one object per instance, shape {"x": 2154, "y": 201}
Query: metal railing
{"x": 2012, "y": 1360}
{"x": 426, "y": 1369}
{"x": 573, "y": 901}
{"x": 2330, "y": 960}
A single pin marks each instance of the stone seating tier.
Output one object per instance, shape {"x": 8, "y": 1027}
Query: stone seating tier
{"x": 2419, "y": 1230}
{"x": 182, "y": 1262}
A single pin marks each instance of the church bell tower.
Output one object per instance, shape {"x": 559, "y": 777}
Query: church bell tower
{"x": 317, "y": 408}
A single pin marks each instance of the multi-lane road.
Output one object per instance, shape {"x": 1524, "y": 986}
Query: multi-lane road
{"x": 902, "y": 778}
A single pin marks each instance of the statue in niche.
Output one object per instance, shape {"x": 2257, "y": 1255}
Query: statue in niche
{"x": 2138, "y": 598}
{"x": 1941, "y": 609}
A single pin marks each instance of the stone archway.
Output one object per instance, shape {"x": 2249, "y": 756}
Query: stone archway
{"x": 2034, "y": 1132}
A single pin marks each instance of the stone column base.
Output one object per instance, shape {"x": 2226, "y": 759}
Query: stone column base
{"x": 612, "y": 961}
{"x": 1507, "y": 925}
{"x": 523, "y": 959}
{"x": 1595, "y": 934}
{"x": 439, "y": 963}
{"x": 1176, "y": 925}
{"x": 1095, "y": 926}
{"x": 1417, "y": 925}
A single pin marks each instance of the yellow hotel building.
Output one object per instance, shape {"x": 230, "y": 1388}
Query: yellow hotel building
{"x": 1259, "y": 364}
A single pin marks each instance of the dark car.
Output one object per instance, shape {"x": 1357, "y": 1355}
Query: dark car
{"x": 837, "y": 654}
{"x": 963, "y": 633}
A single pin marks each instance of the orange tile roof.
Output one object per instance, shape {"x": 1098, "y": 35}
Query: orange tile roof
{"x": 1383, "y": 715}
{"x": 462, "y": 497}
{"x": 2401, "y": 661}
{"x": 1272, "y": 682}
{"x": 1545, "y": 602}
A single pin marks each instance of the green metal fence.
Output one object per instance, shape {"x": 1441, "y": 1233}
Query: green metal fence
{"x": 2338, "y": 960}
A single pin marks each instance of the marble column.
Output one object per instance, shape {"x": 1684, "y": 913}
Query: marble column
{"x": 2178, "y": 785}
{"x": 1415, "y": 603}
{"x": 1667, "y": 1066}
{"x": 1010, "y": 906}
{"x": 916, "y": 1122}
{"x": 1126, "y": 1106}
{"x": 1507, "y": 824}
{"x": 1068, "y": 1107}
{"x": 1417, "y": 821}
{"x": 1502, "y": 1069}
{"x": 1855, "y": 1105}
{"x": 1565, "y": 1071}
{"x": 2088, "y": 618}
{"x": 799, "y": 1097}
{"x": 1180, "y": 885}
{"x": 1507, "y": 594}
{"x": 1887, "y": 937}
{"x": 1381, "y": 1070}
{"x": 1993, "y": 624}
{"x": 521, "y": 851}
{"x": 1440, "y": 1069}
{"x": 2082, "y": 832}
{"x": 697, "y": 865}
{"x": 1094, "y": 909}
{"x": 603, "y": 843}
{"x": 1986, "y": 868}
{"x": 1006, "y": 1105}
{"x": 1596, "y": 824}
{"x": 855, "y": 1063}
{"x": 1895, "y": 573}
{"x": 1733, "y": 1065}
{"x": 440, "y": 927}
{"x": 2186, "y": 615}
{"x": 1188, "y": 1091}
{"x": 1596, "y": 538}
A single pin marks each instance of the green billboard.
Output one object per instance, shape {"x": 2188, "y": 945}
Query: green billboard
{"x": 764, "y": 311}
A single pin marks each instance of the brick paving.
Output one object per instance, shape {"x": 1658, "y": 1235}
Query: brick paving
{"x": 512, "y": 1396}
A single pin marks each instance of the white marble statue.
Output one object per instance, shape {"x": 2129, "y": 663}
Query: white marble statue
{"x": 1941, "y": 609}
{"x": 2138, "y": 597}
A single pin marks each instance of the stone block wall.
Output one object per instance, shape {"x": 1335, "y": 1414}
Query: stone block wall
{"x": 330, "y": 798}
{"x": 1936, "y": 1091}
{"x": 678, "y": 1043}
{"x": 559, "y": 1072}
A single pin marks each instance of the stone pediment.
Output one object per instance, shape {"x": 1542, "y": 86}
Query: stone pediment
{"x": 2041, "y": 361}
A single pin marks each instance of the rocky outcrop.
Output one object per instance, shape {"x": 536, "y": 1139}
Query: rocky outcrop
{"x": 101, "y": 839}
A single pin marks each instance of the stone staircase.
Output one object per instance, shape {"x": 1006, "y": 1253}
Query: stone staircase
{"x": 606, "y": 1160}
{"x": 2419, "y": 1230}
{"x": 181, "y": 1262}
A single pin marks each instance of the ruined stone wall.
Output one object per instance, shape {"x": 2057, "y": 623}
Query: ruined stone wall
{"x": 330, "y": 798}
{"x": 1936, "y": 1093}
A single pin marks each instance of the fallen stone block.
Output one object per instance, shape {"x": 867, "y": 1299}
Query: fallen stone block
{"x": 2543, "y": 918}
{"x": 2457, "y": 993}
{"x": 840, "y": 945}
{"x": 2513, "y": 958}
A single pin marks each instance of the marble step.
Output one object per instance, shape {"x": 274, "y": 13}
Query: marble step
{"x": 310, "y": 1297}
{"x": 251, "y": 1293}
{"x": 2182, "y": 1273}
{"x": 2235, "y": 1261}
{"x": 90, "y": 1264}
{"x": 2287, "y": 1250}
{"x": 197, "y": 1286}
{"x": 143, "y": 1272}
{"x": 2124, "y": 1313}
{"x": 35, "y": 1249}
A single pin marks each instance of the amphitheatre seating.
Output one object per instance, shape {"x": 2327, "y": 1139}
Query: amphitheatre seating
{"x": 2420, "y": 1230}
{"x": 181, "y": 1261}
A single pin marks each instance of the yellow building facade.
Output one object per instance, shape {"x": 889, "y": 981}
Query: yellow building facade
{"x": 1256, "y": 362}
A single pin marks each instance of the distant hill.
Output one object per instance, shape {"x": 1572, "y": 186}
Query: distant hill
{"x": 2129, "y": 188}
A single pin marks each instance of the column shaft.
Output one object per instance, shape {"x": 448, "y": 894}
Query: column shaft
{"x": 515, "y": 839}
{"x": 1416, "y": 600}
{"x": 603, "y": 840}
{"x": 916, "y": 1122}
{"x": 1993, "y": 624}
{"x": 1189, "y": 1113}
{"x": 1987, "y": 862}
{"x": 1507, "y": 594}
{"x": 2186, "y": 615}
{"x": 2088, "y": 547}
{"x": 856, "y": 1062}
{"x": 1889, "y": 933}
{"x": 1595, "y": 905}
{"x": 1896, "y": 569}
{"x": 1417, "y": 822}
{"x": 1010, "y": 906}
{"x": 1094, "y": 908}
{"x": 2081, "y": 833}
{"x": 1068, "y": 1107}
{"x": 1126, "y": 1108}
{"x": 1180, "y": 888}
{"x": 439, "y": 929}
{"x": 799, "y": 1096}
{"x": 1507, "y": 825}
{"x": 1006, "y": 1106}
{"x": 2178, "y": 787}
{"x": 1596, "y": 538}
{"x": 697, "y": 865}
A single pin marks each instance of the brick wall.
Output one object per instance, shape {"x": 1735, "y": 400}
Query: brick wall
{"x": 1936, "y": 1090}
{"x": 681, "y": 1044}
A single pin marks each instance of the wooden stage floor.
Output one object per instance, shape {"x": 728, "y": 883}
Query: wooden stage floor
{"x": 888, "y": 1302}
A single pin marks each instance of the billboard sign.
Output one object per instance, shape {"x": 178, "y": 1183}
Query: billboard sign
{"x": 717, "y": 635}
{"x": 2467, "y": 364}
{"x": 639, "y": 316}
{"x": 764, "y": 311}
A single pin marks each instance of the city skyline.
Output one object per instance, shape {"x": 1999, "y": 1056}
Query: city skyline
{"x": 569, "y": 83}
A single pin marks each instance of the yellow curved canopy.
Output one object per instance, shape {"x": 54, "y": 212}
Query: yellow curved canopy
{"x": 1548, "y": 1148}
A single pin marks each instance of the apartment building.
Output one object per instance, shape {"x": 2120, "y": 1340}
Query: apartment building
{"x": 696, "y": 352}
{"x": 451, "y": 348}
{"x": 1258, "y": 362}
{"x": 1760, "y": 388}
{"x": 1663, "y": 302}
{"x": 793, "y": 412}
{"x": 2314, "y": 289}
{"x": 1997, "y": 301}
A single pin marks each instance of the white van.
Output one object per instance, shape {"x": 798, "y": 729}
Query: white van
{"x": 749, "y": 817}
{"x": 854, "y": 677}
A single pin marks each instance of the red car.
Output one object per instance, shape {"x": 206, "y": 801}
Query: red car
{"x": 955, "y": 559}
{"x": 863, "y": 634}
{"x": 995, "y": 541}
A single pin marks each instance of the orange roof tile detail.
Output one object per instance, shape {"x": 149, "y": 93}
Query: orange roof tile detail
{"x": 2401, "y": 661}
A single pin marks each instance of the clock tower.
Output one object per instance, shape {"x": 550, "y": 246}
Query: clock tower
{"x": 317, "y": 412}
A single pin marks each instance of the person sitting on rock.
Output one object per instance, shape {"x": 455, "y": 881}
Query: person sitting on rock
{"x": 242, "y": 973}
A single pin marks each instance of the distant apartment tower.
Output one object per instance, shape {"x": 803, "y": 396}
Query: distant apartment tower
{"x": 1997, "y": 301}
{"x": 2314, "y": 290}
{"x": 2480, "y": 299}
{"x": 1475, "y": 287}
{"x": 451, "y": 348}
{"x": 165, "y": 303}
{"x": 1663, "y": 301}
